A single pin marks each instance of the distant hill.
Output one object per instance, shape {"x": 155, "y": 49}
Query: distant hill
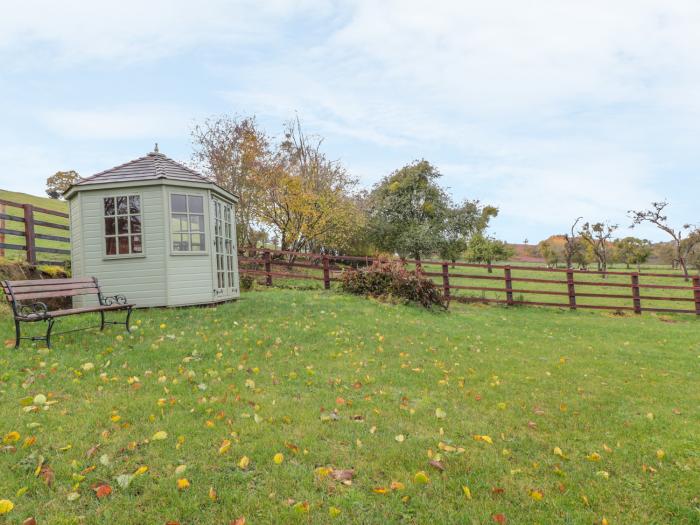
{"x": 25, "y": 198}
{"x": 525, "y": 253}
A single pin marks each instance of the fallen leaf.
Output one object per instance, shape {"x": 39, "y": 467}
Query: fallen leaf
{"x": 213, "y": 496}
{"x": 46, "y": 473}
{"x": 238, "y": 521}
{"x": 421, "y": 478}
{"x": 440, "y": 413}
{"x": 160, "y": 435}
{"x": 183, "y": 484}
{"x": 436, "y": 464}
{"x": 29, "y": 521}
{"x": 536, "y": 495}
{"x": 342, "y": 474}
{"x": 102, "y": 491}
{"x": 467, "y": 492}
{"x": 594, "y": 456}
{"x": 225, "y": 446}
{"x": 243, "y": 462}
{"x": 499, "y": 518}
{"x": 278, "y": 458}
{"x": 6, "y": 506}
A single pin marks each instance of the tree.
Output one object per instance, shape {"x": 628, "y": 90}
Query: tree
{"x": 410, "y": 214}
{"x": 484, "y": 249}
{"x": 598, "y": 236}
{"x": 59, "y": 182}
{"x": 632, "y": 250}
{"x": 656, "y": 216}
{"x": 235, "y": 153}
{"x": 304, "y": 197}
{"x": 573, "y": 247}
{"x": 552, "y": 250}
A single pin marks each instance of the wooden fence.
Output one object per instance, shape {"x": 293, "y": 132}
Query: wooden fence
{"x": 25, "y": 215}
{"x": 512, "y": 284}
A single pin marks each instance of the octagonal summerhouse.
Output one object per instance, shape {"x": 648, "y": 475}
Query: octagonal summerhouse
{"x": 156, "y": 231}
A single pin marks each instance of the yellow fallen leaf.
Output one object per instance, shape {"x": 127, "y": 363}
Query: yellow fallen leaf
{"x": 440, "y": 413}
{"x": 183, "y": 484}
{"x": 400, "y": 438}
{"x": 160, "y": 435}
{"x": 302, "y": 507}
{"x": 467, "y": 492}
{"x": 334, "y": 512}
{"x": 243, "y": 462}
{"x": 213, "y": 496}
{"x": 603, "y": 474}
{"x": 6, "y": 506}
{"x": 484, "y": 438}
{"x": 180, "y": 469}
{"x": 536, "y": 495}
{"x": 380, "y": 490}
{"x": 594, "y": 456}
{"x": 278, "y": 458}
{"x": 11, "y": 437}
{"x": 660, "y": 454}
{"x": 225, "y": 446}
{"x": 141, "y": 470}
{"x": 322, "y": 472}
{"x": 421, "y": 478}
{"x": 558, "y": 452}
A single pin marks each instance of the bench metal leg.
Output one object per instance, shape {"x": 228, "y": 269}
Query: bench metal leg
{"x": 48, "y": 333}
{"x": 102, "y": 321}
{"x": 128, "y": 316}
{"x": 17, "y": 334}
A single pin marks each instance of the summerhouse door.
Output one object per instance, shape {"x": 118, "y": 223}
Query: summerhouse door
{"x": 224, "y": 231}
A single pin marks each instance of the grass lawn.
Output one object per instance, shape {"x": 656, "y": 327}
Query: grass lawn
{"x": 337, "y": 382}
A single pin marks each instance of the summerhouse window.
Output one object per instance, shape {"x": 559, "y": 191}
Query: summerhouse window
{"x": 187, "y": 223}
{"x": 122, "y": 222}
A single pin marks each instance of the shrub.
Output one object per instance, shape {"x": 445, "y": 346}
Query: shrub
{"x": 390, "y": 278}
{"x": 247, "y": 281}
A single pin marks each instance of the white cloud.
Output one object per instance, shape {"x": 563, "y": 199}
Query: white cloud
{"x": 46, "y": 33}
{"x": 118, "y": 123}
{"x": 550, "y": 109}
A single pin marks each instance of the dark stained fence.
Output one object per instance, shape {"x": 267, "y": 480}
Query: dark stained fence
{"x": 505, "y": 284}
{"x": 24, "y": 220}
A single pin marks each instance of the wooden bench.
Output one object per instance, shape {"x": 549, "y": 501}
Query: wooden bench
{"x": 22, "y": 296}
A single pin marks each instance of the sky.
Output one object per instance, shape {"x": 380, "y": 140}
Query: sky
{"x": 550, "y": 109}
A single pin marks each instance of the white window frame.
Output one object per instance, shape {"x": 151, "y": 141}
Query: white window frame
{"x": 103, "y": 230}
{"x": 204, "y": 232}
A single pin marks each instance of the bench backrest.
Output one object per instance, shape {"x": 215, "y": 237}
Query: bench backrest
{"x": 44, "y": 288}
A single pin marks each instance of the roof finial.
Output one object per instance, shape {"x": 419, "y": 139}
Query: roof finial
{"x": 155, "y": 149}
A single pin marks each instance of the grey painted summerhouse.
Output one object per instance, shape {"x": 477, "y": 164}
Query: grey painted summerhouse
{"x": 155, "y": 231}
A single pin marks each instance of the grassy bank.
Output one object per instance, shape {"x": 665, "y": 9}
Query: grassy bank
{"x": 546, "y": 416}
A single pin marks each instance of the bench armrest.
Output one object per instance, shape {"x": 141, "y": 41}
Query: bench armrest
{"x": 109, "y": 300}
{"x": 37, "y": 309}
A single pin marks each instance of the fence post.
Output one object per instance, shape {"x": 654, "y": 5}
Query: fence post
{"x": 326, "y": 273}
{"x": 696, "y": 293}
{"x": 509, "y": 286}
{"x": 29, "y": 238}
{"x": 446, "y": 281}
{"x": 571, "y": 287}
{"x": 268, "y": 268}
{"x": 636, "y": 301}
{"x": 2, "y": 226}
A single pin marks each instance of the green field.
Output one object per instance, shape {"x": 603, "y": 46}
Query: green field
{"x": 545, "y": 415}
{"x": 43, "y": 202}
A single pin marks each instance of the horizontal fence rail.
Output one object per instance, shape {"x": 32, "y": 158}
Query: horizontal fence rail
{"x": 28, "y": 226}
{"x": 500, "y": 283}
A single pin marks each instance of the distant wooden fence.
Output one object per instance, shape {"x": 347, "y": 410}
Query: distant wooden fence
{"x": 569, "y": 284}
{"x": 26, "y": 217}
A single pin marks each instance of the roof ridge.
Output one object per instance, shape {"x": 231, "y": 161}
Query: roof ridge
{"x": 145, "y": 157}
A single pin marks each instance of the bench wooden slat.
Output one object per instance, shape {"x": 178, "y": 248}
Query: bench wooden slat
{"x": 88, "y": 309}
{"x": 50, "y": 282}
{"x": 60, "y": 287}
{"x": 60, "y": 293}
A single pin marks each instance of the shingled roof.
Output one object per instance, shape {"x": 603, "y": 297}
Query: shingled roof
{"x": 153, "y": 166}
